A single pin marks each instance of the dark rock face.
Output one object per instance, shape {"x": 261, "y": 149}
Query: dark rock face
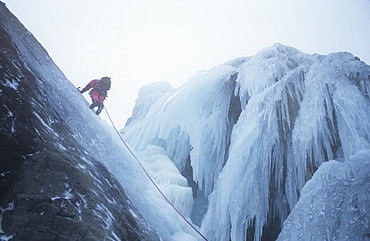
{"x": 50, "y": 187}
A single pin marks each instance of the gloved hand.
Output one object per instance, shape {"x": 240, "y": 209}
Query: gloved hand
{"x": 81, "y": 91}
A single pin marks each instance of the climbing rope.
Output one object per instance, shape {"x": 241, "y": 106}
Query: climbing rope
{"x": 150, "y": 178}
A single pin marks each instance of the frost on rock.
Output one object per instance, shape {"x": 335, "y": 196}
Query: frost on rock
{"x": 333, "y": 122}
{"x": 250, "y": 133}
{"x": 147, "y": 96}
{"x": 168, "y": 178}
{"x": 191, "y": 123}
{"x": 335, "y": 203}
{"x": 252, "y": 180}
{"x": 266, "y": 68}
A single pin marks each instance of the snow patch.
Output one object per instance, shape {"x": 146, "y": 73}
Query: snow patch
{"x": 3, "y": 236}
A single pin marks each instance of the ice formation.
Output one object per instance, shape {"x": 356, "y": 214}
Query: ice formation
{"x": 249, "y": 134}
{"x": 275, "y": 145}
{"x": 334, "y": 204}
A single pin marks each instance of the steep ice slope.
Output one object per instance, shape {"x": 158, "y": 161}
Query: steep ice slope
{"x": 53, "y": 186}
{"x": 64, "y": 173}
{"x": 250, "y": 133}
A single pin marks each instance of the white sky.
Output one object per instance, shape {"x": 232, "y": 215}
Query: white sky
{"x": 137, "y": 42}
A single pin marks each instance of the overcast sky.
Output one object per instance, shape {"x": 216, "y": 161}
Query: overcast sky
{"x": 137, "y": 42}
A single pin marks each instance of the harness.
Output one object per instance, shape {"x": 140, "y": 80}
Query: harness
{"x": 100, "y": 89}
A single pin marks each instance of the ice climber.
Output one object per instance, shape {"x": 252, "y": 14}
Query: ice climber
{"x": 98, "y": 93}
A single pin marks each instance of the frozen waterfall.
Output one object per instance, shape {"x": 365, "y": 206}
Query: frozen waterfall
{"x": 250, "y": 133}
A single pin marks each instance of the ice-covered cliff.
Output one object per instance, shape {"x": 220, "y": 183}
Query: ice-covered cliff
{"x": 272, "y": 146}
{"x": 64, "y": 173}
{"x": 279, "y": 136}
